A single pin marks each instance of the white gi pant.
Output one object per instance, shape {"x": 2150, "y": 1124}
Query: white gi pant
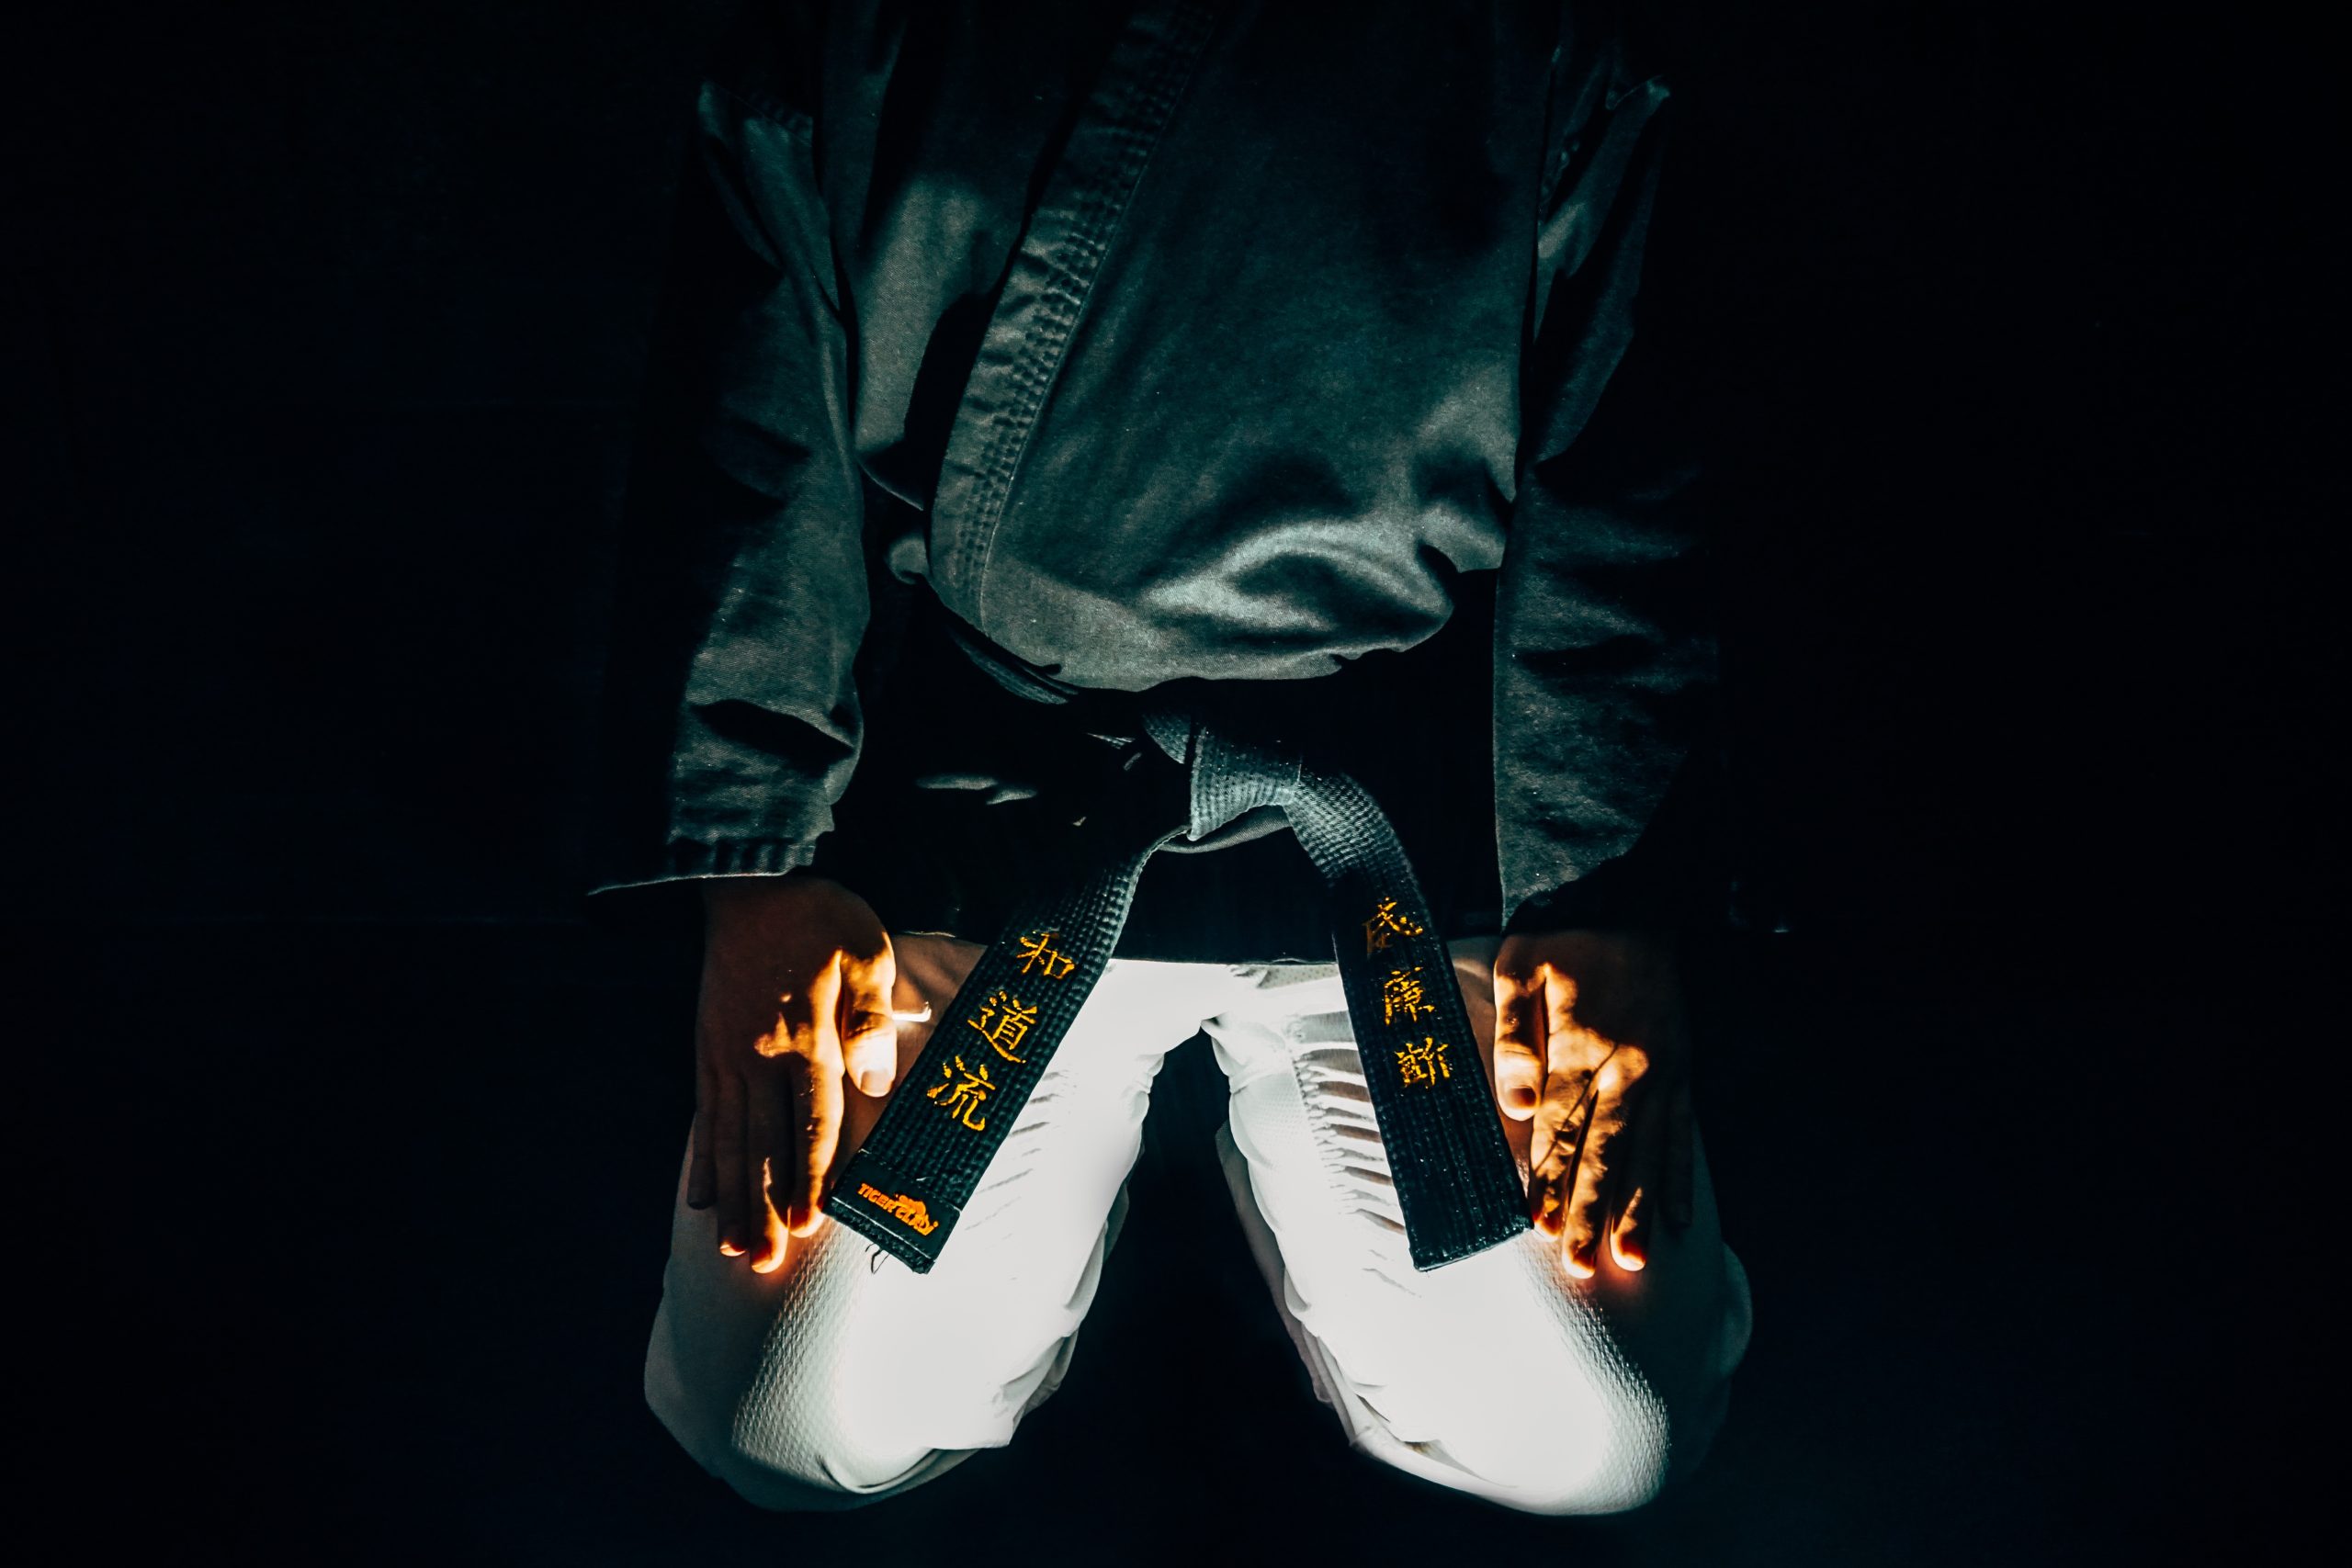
{"x": 1500, "y": 1375}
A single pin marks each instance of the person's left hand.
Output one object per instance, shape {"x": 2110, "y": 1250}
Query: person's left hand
{"x": 1590, "y": 1042}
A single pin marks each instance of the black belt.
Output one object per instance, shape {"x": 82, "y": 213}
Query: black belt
{"x": 1457, "y": 1183}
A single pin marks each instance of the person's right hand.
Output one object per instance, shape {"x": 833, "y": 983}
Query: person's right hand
{"x": 797, "y": 977}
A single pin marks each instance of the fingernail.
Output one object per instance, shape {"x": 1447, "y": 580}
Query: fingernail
{"x": 728, "y": 1249}
{"x": 874, "y": 1082}
{"x": 1629, "y": 1257}
{"x": 1550, "y": 1218}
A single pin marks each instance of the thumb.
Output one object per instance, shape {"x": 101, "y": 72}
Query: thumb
{"x": 1518, "y": 1040}
{"x": 869, "y": 1034}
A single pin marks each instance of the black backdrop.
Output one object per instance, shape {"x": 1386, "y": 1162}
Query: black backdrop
{"x": 347, "y": 1141}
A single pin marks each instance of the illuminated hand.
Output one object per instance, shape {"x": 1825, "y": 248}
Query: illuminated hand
{"x": 797, "y": 977}
{"x": 1590, "y": 1042}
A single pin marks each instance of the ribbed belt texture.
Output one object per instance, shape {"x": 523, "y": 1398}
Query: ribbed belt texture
{"x": 1456, "y": 1181}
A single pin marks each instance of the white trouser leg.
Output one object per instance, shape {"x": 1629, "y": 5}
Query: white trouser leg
{"x": 1500, "y": 1375}
{"x": 845, "y": 1377}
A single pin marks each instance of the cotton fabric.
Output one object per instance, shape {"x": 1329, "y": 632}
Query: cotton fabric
{"x": 845, "y": 1377}
{"x": 1233, "y": 344}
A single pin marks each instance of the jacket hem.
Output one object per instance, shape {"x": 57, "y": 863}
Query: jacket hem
{"x": 689, "y": 860}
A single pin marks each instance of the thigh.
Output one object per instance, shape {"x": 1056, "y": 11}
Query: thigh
{"x": 1500, "y": 1374}
{"x": 845, "y": 1376}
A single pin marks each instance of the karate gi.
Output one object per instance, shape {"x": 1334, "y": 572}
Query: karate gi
{"x": 1238, "y": 351}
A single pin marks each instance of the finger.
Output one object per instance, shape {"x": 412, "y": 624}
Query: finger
{"x": 814, "y": 1070}
{"x": 769, "y": 1258}
{"x": 770, "y": 1134}
{"x": 1554, "y": 1142}
{"x": 1634, "y": 1194}
{"x": 1681, "y": 1176}
{"x": 869, "y": 1033}
{"x": 1562, "y": 1024}
{"x": 702, "y": 1166}
{"x": 727, "y": 1159}
{"x": 1606, "y": 1147}
{"x": 1562, "y": 1120}
{"x": 803, "y": 1014}
{"x": 804, "y": 1022}
{"x": 1518, "y": 1037}
{"x": 816, "y": 1136}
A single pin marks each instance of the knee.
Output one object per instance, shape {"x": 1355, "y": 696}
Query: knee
{"x": 797, "y": 1450}
{"x": 1568, "y": 1426}
{"x": 1612, "y": 1407}
{"x": 815, "y": 1481}
{"x": 1601, "y": 1448}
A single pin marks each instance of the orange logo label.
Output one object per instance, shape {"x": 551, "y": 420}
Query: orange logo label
{"x": 910, "y": 1211}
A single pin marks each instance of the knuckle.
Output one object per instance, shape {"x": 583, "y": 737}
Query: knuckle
{"x": 1574, "y": 1046}
{"x": 1620, "y": 1073}
{"x": 792, "y": 1073}
{"x": 1557, "y": 1117}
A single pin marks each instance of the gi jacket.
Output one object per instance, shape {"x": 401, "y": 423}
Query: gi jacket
{"x": 1247, "y": 348}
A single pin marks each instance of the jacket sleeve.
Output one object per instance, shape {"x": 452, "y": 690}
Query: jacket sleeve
{"x": 732, "y": 722}
{"x": 1604, "y": 665}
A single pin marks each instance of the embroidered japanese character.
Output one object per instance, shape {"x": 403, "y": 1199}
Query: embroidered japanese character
{"x": 1401, "y": 992}
{"x": 965, "y": 1095}
{"x": 1004, "y": 1023}
{"x": 1038, "y": 948}
{"x": 1424, "y": 1063}
{"x": 1387, "y": 922}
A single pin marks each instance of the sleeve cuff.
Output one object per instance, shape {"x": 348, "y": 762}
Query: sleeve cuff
{"x": 685, "y": 859}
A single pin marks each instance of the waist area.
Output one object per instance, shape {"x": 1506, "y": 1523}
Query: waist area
{"x": 967, "y": 794}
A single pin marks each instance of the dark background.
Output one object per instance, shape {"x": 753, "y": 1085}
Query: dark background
{"x": 346, "y": 1144}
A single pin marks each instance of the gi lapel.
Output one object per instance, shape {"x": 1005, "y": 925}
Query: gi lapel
{"x": 1053, "y": 270}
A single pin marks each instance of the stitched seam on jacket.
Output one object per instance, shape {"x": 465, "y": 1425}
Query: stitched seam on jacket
{"x": 1071, "y": 266}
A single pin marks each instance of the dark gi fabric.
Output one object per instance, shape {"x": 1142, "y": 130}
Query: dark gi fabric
{"x": 1248, "y": 350}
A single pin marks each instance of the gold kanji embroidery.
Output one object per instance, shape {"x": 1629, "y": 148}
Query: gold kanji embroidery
{"x": 1401, "y": 992}
{"x": 1038, "y": 948}
{"x": 1387, "y": 922}
{"x": 1004, "y": 1023}
{"x": 965, "y": 1095}
{"x": 1424, "y": 1063}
